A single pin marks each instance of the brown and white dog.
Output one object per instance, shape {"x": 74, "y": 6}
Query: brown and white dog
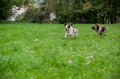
{"x": 100, "y": 29}
{"x": 70, "y": 31}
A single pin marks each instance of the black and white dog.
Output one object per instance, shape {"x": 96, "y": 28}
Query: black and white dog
{"x": 100, "y": 29}
{"x": 70, "y": 31}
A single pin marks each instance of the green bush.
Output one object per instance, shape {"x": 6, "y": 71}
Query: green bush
{"x": 32, "y": 15}
{"x": 73, "y": 17}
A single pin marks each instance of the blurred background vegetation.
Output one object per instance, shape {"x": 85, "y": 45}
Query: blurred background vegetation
{"x": 75, "y": 11}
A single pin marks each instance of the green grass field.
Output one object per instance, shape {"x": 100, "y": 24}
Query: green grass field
{"x": 40, "y": 51}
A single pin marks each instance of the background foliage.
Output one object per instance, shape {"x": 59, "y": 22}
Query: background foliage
{"x": 76, "y": 11}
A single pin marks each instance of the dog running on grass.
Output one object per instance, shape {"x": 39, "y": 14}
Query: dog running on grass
{"x": 70, "y": 31}
{"x": 100, "y": 29}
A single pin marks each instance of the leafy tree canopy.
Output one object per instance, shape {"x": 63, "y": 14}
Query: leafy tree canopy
{"x": 6, "y": 5}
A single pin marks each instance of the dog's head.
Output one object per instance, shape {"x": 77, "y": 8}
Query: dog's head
{"x": 104, "y": 28}
{"x": 67, "y": 26}
{"x": 95, "y": 27}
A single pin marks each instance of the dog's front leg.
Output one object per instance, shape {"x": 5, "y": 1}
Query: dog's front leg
{"x": 99, "y": 32}
{"x": 65, "y": 35}
{"x": 76, "y": 35}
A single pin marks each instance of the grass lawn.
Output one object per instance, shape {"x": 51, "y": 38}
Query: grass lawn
{"x": 40, "y": 51}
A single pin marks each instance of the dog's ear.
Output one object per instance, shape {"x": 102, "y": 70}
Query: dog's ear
{"x": 65, "y": 23}
{"x": 70, "y": 24}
